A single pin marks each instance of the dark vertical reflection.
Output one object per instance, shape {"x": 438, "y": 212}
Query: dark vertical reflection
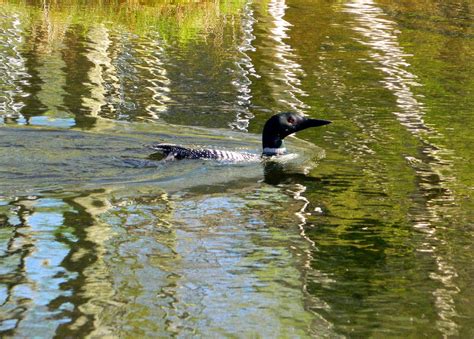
{"x": 30, "y": 89}
{"x": 80, "y": 258}
{"x": 15, "y": 248}
{"x": 77, "y": 68}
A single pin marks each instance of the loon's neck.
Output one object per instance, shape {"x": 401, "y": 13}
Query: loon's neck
{"x": 273, "y": 146}
{"x": 269, "y": 151}
{"x": 272, "y": 143}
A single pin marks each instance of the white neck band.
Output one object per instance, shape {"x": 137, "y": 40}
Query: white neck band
{"x": 274, "y": 151}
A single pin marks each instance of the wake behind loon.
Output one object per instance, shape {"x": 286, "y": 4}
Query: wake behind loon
{"x": 278, "y": 127}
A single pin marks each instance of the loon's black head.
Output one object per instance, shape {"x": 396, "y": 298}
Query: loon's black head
{"x": 282, "y": 125}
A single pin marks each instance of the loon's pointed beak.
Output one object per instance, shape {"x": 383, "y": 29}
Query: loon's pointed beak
{"x": 307, "y": 123}
{"x": 316, "y": 122}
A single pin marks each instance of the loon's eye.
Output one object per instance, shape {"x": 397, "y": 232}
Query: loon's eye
{"x": 290, "y": 120}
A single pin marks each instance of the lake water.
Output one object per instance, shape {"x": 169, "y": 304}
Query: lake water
{"x": 367, "y": 231}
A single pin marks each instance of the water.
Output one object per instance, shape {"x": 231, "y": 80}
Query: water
{"x": 365, "y": 231}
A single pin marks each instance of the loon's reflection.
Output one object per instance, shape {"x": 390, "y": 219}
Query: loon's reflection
{"x": 276, "y": 173}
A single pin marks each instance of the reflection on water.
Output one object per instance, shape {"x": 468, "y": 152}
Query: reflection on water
{"x": 95, "y": 71}
{"x": 432, "y": 170}
{"x": 46, "y": 271}
{"x": 289, "y": 71}
{"x": 367, "y": 234}
{"x": 98, "y": 43}
{"x": 49, "y": 39}
{"x": 159, "y": 82}
{"x": 95, "y": 263}
{"x": 245, "y": 70}
{"x": 14, "y": 71}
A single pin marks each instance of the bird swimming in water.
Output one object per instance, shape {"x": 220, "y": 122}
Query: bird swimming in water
{"x": 278, "y": 127}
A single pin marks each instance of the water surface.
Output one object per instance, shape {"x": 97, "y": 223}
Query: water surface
{"x": 366, "y": 231}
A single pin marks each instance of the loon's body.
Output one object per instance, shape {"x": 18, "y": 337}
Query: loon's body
{"x": 275, "y": 130}
{"x": 180, "y": 152}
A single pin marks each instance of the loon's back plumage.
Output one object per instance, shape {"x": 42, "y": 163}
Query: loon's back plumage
{"x": 180, "y": 152}
{"x": 275, "y": 130}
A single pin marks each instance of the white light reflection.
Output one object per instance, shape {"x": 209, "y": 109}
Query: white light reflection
{"x": 159, "y": 83}
{"x": 380, "y": 35}
{"x": 99, "y": 43}
{"x": 12, "y": 68}
{"x": 297, "y": 191}
{"x": 290, "y": 70}
{"x": 245, "y": 68}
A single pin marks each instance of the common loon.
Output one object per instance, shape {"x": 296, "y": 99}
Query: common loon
{"x": 278, "y": 127}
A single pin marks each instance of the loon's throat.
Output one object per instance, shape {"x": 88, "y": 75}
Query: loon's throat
{"x": 269, "y": 151}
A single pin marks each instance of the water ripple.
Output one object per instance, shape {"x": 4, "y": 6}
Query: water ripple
{"x": 434, "y": 171}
